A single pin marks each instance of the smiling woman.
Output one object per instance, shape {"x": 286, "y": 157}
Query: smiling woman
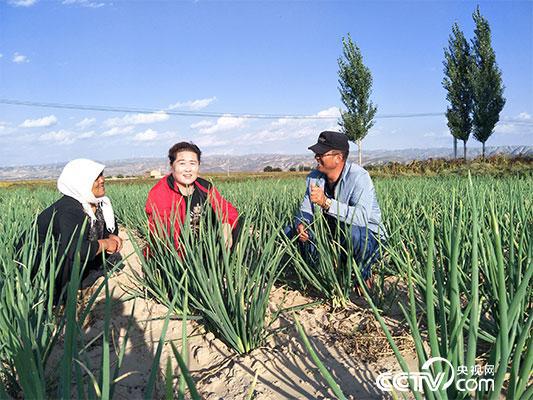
{"x": 82, "y": 217}
{"x": 182, "y": 197}
{"x": 99, "y": 186}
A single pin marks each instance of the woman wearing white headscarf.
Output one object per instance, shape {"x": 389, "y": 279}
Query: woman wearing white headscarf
{"x": 84, "y": 214}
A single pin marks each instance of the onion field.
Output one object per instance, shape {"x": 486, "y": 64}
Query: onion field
{"x": 457, "y": 264}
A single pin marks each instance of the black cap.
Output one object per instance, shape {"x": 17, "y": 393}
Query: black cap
{"x": 330, "y": 140}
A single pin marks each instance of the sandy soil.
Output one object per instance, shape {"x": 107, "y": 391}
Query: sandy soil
{"x": 283, "y": 367}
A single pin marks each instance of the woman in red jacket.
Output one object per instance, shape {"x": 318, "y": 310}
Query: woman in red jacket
{"x": 182, "y": 190}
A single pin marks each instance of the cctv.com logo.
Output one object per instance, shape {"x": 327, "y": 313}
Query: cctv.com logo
{"x": 405, "y": 381}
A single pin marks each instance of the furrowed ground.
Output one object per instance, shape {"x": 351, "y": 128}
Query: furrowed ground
{"x": 469, "y": 239}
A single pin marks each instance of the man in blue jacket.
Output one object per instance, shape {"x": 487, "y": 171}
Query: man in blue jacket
{"x": 344, "y": 193}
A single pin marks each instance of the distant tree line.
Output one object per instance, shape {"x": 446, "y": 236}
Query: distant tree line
{"x": 268, "y": 168}
{"x": 301, "y": 168}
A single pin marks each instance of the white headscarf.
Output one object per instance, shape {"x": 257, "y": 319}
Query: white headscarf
{"x": 76, "y": 181}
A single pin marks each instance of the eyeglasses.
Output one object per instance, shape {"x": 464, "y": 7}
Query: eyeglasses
{"x": 321, "y": 156}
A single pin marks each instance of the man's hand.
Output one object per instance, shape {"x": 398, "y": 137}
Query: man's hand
{"x": 118, "y": 240}
{"x": 317, "y": 195}
{"x": 302, "y": 233}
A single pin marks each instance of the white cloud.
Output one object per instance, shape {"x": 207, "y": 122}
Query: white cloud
{"x": 20, "y": 58}
{"x": 137, "y": 119}
{"x": 281, "y": 122}
{"x": 202, "y": 124}
{"x": 265, "y": 135}
{"x": 146, "y": 136}
{"x": 86, "y": 135}
{"x": 374, "y": 132}
{"x": 193, "y": 105}
{"x": 22, "y": 3}
{"x": 211, "y": 141}
{"x": 39, "y": 122}
{"x": 63, "y": 136}
{"x": 1, "y": 55}
{"x": 7, "y": 129}
{"x": 168, "y": 135}
{"x": 285, "y": 129}
{"x": 84, "y": 3}
{"x": 118, "y": 130}
{"x": 521, "y": 124}
{"x": 224, "y": 123}
{"x": 329, "y": 112}
{"x": 60, "y": 137}
{"x": 325, "y": 118}
{"x": 505, "y": 128}
{"x": 85, "y": 123}
{"x": 509, "y": 128}
{"x": 437, "y": 135}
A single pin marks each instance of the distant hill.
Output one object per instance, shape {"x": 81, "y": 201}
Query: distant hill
{"x": 254, "y": 162}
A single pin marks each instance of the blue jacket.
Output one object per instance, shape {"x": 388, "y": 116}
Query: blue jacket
{"x": 355, "y": 201}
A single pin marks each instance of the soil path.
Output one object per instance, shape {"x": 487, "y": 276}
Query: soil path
{"x": 284, "y": 369}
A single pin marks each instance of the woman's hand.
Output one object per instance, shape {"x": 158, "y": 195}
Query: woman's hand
{"x": 228, "y": 238}
{"x": 109, "y": 245}
{"x": 118, "y": 240}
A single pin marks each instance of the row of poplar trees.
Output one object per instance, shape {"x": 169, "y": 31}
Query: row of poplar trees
{"x": 472, "y": 80}
{"x": 473, "y": 83}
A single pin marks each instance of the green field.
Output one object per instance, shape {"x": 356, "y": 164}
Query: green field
{"x": 461, "y": 246}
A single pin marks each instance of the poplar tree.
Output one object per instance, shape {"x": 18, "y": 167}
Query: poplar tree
{"x": 457, "y": 67}
{"x": 486, "y": 81}
{"x": 355, "y": 87}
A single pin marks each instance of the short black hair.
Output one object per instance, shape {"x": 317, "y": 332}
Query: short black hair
{"x": 183, "y": 146}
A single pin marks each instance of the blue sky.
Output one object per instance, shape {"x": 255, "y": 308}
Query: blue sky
{"x": 237, "y": 58}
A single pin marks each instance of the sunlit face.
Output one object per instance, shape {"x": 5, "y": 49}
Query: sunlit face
{"x": 185, "y": 168}
{"x": 99, "y": 186}
{"x": 328, "y": 161}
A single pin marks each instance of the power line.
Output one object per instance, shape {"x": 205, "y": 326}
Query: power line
{"x": 411, "y": 115}
{"x": 517, "y": 121}
{"x": 137, "y": 110}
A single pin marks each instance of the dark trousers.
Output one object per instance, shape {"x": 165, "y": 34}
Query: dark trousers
{"x": 364, "y": 245}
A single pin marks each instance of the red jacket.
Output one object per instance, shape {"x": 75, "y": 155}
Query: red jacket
{"x": 165, "y": 202}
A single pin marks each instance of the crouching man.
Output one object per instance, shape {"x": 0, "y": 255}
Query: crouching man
{"x": 344, "y": 193}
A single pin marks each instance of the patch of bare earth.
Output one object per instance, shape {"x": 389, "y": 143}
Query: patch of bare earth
{"x": 350, "y": 344}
